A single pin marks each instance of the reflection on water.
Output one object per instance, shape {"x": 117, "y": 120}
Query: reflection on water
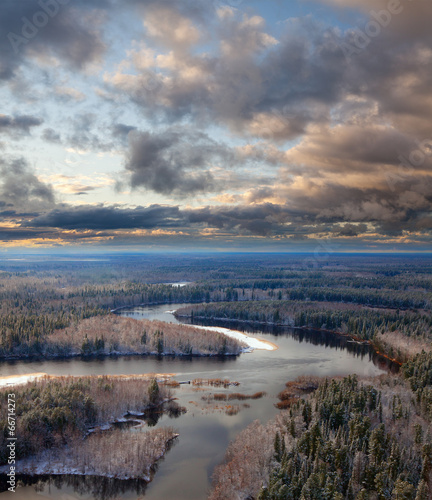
{"x": 314, "y": 337}
{"x": 185, "y": 472}
{"x": 100, "y": 488}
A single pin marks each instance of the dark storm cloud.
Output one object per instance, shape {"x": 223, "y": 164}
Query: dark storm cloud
{"x": 176, "y": 161}
{"x": 360, "y": 147}
{"x": 35, "y": 234}
{"x": 68, "y": 30}
{"x": 391, "y": 68}
{"x": 304, "y": 66}
{"x": 101, "y": 218}
{"x": 351, "y": 230}
{"x": 259, "y": 194}
{"x": 269, "y": 219}
{"x": 18, "y": 125}
{"x": 21, "y": 189}
{"x": 383, "y": 215}
{"x": 409, "y": 199}
{"x": 258, "y": 219}
{"x": 408, "y": 20}
{"x": 22, "y": 234}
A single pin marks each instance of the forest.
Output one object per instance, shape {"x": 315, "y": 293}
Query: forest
{"x": 343, "y": 438}
{"x": 350, "y": 439}
{"x": 65, "y": 423}
{"x": 112, "y": 335}
{"x": 383, "y": 300}
{"x": 399, "y": 333}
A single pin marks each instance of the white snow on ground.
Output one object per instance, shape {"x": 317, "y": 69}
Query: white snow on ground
{"x": 37, "y": 465}
{"x": 12, "y": 380}
{"x": 180, "y": 284}
{"x": 20, "y": 379}
{"x": 251, "y": 342}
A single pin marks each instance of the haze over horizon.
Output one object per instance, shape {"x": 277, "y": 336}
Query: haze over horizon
{"x": 241, "y": 125}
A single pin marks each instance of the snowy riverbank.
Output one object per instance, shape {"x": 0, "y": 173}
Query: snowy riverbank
{"x": 251, "y": 342}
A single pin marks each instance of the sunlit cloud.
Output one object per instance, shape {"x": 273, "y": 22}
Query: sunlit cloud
{"x": 182, "y": 122}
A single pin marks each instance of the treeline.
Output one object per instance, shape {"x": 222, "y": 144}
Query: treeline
{"x": 30, "y": 312}
{"x": 359, "y": 322}
{"x": 349, "y": 441}
{"x": 348, "y": 280}
{"x": 134, "y": 293}
{"x": 27, "y": 334}
{"x": 54, "y": 413}
{"x": 329, "y": 292}
{"x": 117, "y": 335}
{"x": 370, "y": 297}
{"x": 40, "y": 297}
{"x": 30, "y": 315}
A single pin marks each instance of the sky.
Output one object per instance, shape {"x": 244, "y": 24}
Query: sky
{"x": 262, "y": 125}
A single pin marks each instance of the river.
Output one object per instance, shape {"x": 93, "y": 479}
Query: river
{"x": 205, "y": 430}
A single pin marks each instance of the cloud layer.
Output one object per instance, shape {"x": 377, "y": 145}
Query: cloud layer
{"x": 217, "y": 123}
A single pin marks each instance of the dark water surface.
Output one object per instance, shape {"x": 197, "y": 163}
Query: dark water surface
{"x": 185, "y": 472}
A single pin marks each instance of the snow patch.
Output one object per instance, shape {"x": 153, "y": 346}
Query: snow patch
{"x": 251, "y": 342}
{"x": 20, "y": 379}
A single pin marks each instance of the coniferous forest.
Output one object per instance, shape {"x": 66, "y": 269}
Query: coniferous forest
{"x": 344, "y": 438}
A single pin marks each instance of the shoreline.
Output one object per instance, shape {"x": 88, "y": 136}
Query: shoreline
{"x": 118, "y": 353}
{"x": 149, "y": 304}
{"x": 310, "y": 329}
{"x": 34, "y": 467}
{"x": 254, "y": 343}
{"x": 31, "y": 377}
{"x": 49, "y": 357}
{"x": 80, "y": 454}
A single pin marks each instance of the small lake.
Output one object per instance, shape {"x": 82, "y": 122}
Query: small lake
{"x": 206, "y": 429}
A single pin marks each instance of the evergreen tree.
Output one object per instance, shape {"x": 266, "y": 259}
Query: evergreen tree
{"x": 153, "y": 391}
{"x": 422, "y": 491}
